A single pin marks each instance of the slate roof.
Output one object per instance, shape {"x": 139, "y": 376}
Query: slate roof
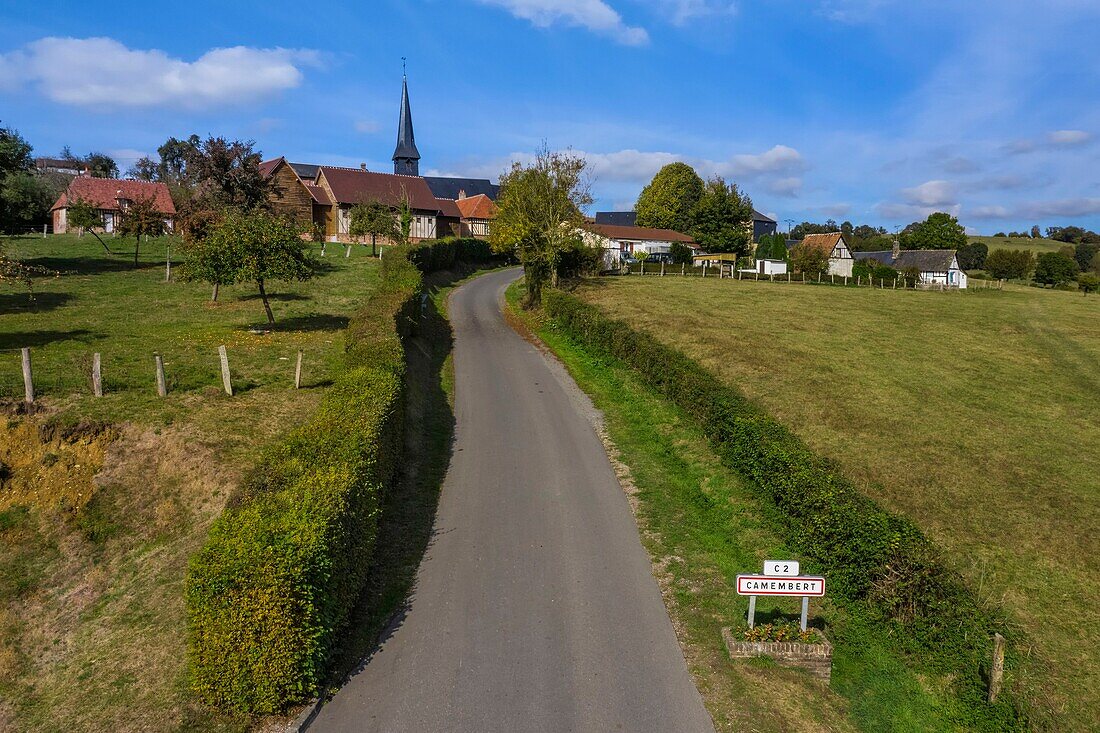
{"x": 477, "y": 207}
{"x": 924, "y": 260}
{"x": 305, "y": 171}
{"x": 617, "y": 218}
{"x": 757, "y": 216}
{"x": 450, "y": 188}
{"x": 642, "y": 234}
{"x": 406, "y": 140}
{"x": 354, "y": 185}
{"x": 268, "y": 167}
{"x": 103, "y": 193}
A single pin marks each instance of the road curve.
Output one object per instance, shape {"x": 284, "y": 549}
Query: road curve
{"x": 535, "y": 607}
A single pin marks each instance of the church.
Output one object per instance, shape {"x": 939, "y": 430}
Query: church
{"x": 320, "y": 197}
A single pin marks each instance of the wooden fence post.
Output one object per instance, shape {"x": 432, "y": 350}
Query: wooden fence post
{"x": 162, "y": 387}
{"x": 662, "y": 268}
{"x": 168, "y": 263}
{"x": 227, "y": 383}
{"x": 704, "y": 269}
{"x": 298, "y": 371}
{"x": 996, "y": 674}
{"x": 97, "y": 375}
{"x": 28, "y": 378}
{"x": 683, "y": 269}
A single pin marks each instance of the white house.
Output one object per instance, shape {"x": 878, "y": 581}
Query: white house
{"x": 618, "y": 242}
{"x": 840, "y": 254}
{"x": 936, "y": 266}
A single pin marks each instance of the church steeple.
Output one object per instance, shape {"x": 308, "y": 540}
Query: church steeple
{"x": 406, "y": 158}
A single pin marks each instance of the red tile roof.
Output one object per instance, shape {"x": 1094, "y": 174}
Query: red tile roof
{"x": 644, "y": 234}
{"x": 268, "y": 166}
{"x": 477, "y": 207}
{"x": 103, "y": 193}
{"x": 319, "y": 194}
{"x": 354, "y": 185}
{"x": 826, "y": 242}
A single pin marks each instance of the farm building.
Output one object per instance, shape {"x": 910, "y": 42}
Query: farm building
{"x": 762, "y": 224}
{"x": 478, "y": 213}
{"x": 628, "y": 241}
{"x": 834, "y": 244}
{"x": 936, "y": 266}
{"x": 112, "y": 197}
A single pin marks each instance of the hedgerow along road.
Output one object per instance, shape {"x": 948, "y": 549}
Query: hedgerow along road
{"x": 535, "y": 608}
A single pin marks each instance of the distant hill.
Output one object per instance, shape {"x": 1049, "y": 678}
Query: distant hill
{"x": 1019, "y": 243}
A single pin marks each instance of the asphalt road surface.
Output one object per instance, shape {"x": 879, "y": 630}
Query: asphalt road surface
{"x": 535, "y": 608}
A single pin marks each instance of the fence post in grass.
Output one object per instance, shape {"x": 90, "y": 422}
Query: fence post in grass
{"x": 44, "y": 230}
{"x": 28, "y": 379}
{"x": 227, "y": 383}
{"x": 347, "y": 251}
{"x": 162, "y": 387}
{"x": 168, "y": 262}
{"x": 662, "y": 268}
{"x": 683, "y": 269}
{"x": 704, "y": 269}
{"x": 97, "y": 375}
{"x": 298, "y": 371}
{"x": 996, "y": 674}
{"x": 738, "y": 276}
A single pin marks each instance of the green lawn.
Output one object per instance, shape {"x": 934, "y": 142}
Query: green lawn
{"x": 1038, "y": 246}
{"x": 975, "y": 413}
{"x": 91, "y": 571}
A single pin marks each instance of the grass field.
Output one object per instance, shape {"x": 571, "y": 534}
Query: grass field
{"x": 1038, "y": 246}
{"x": 975, "y": 413}
{"x": 91, "y": 570}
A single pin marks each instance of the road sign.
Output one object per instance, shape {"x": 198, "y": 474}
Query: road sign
{"x": 781, "y": 567}
{"x": 768, "y": 585}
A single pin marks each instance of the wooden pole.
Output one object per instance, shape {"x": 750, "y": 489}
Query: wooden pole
{"x": 28, "y": 378}
{"x": 996, "y": 674}
{"x": 298, "y": 371}
{"x": 752, "y": 611}
{"x": 683, "y": 269}
{"x": 704, "y": 269}
{"x": 227, "y": 383}
{"x": 162, "y": 387}
{"x": 168, "y": 263}
{"x": 662, "y": 268}
{"x": 347, "y": 252}
{"x": 97, "y": 376}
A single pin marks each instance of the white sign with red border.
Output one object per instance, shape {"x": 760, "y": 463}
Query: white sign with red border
{"x": 769, "y": 585}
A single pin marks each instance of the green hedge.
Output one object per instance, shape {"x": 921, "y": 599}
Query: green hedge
{"x": 877, "y": 560}
{"x": 284, "y": 565}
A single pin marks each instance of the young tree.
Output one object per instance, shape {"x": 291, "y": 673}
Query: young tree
{"x": 812, "y": 261}
{"x": 671, "y": 198}
{"x": 404, "y": 221}
{"x": 681, "y": 253}
{"x": 261, "y": 248}
{"x": 14, "y": 271}
{"x": 938, "y": 231}
{"x": 722, "y": 218}
{"x": 1055, "y": 268}
{"x": 375, "y": 219}
{"x": 539, "y": 215}
{"x": 83, "y": 215}
{"x": 142, "y": 219}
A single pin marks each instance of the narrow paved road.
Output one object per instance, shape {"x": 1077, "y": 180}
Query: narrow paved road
{"x": 535, "y": 608}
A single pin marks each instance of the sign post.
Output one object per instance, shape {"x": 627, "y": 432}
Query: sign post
{"x": 780, "y": 578}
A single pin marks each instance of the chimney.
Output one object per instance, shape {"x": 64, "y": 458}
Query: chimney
{"x": 362, "y": 166}
{"x": 461, "y": 194}
{"x": 897, "y": 248}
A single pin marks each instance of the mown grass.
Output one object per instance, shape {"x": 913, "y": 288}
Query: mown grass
{"x": 91, "y": 596}
{"x": 1038, "y": 246}
{"x": 975, "y": 413}
{"x": 702, "y": 526}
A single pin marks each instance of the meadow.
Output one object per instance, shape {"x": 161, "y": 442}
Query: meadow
{"x": 103, "y": 500}
{"x": 1038, "y": 246}
{"x": 975, "y": 413}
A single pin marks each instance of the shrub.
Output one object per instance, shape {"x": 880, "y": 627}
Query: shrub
{"x": 1055, "y": 268}
{"x": 877, "y": 560}
{"x": 272, "y": 587}
{"x": 1088, "y": 282}
{"x": 1006, "y": 264}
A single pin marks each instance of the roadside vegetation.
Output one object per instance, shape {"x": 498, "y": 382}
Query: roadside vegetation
{"x": 964, "y": 412}
{"x": 102, "y": 501}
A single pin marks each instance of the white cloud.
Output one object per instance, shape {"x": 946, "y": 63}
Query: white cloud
{"x": 1061, "y": 207}
{"x": 990, "y": 212}
{"x": 682, "y": 12}
{"x": 1069, "y": 138}
{"x": 595, "y": 15}
{"x": 101, "y": 72}
{"x": 835, "y": 210}
{"x": 780, "y": 159}
{"x": 788, "y": 187}
{"x": 367, "y": 127}
{"x": 931, "y": 193}
{"x": 913, "y": 212}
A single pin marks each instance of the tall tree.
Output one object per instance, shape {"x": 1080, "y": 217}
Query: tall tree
{"x": 938, "y": 231}
{"x": 540, "y": 215}
{"x": 100, "y": 165}
{"x": 260, "y": 248}
{"x": 15, "y": 152}
{"x": 226, "y": 173}
{"x": 722, "y": 218}
{"x": 671, "y": 198}
{"x": 142, "y": 219}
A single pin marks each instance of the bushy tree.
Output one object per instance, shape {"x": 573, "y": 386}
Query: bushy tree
{"x": 373, "y": 219}
{"x": 722, "y": 218}
{"x": 141, "y": 219}
{"x": 540, "y": 215}
{"x": 808, "y": 227}
{"x": 669, "y": 201}
{"x": 812, "y": 261}
{"x": 23, "y": 201}
{"x": 1036, "y": 233}
{"x": 86, "y": 217}
{"x": 1055, "y": 268}
{"x": 938, "y": 231}
{"x": 681, "y": 253}
{"x": 972, "y": 256}
{"x": 772, "y": 247}
{"x": 1007, "y": 264}
{"x": 1088, "y": 282}
{"x": 1084, "y": 253}
{"x": 251, "y": 247}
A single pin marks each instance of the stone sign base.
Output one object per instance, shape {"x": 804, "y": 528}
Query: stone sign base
{"x": 817, "y": 659}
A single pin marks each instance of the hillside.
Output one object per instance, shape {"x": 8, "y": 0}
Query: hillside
{"x": 102, "y": 501}
{"x": 1038, "y": 246}
{"x": 967, "y": 411}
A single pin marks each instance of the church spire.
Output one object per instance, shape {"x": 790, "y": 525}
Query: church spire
{"x": 406, "y": 158}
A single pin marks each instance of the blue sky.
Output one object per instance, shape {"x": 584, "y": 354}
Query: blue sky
{"x": 876, "y": 111}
